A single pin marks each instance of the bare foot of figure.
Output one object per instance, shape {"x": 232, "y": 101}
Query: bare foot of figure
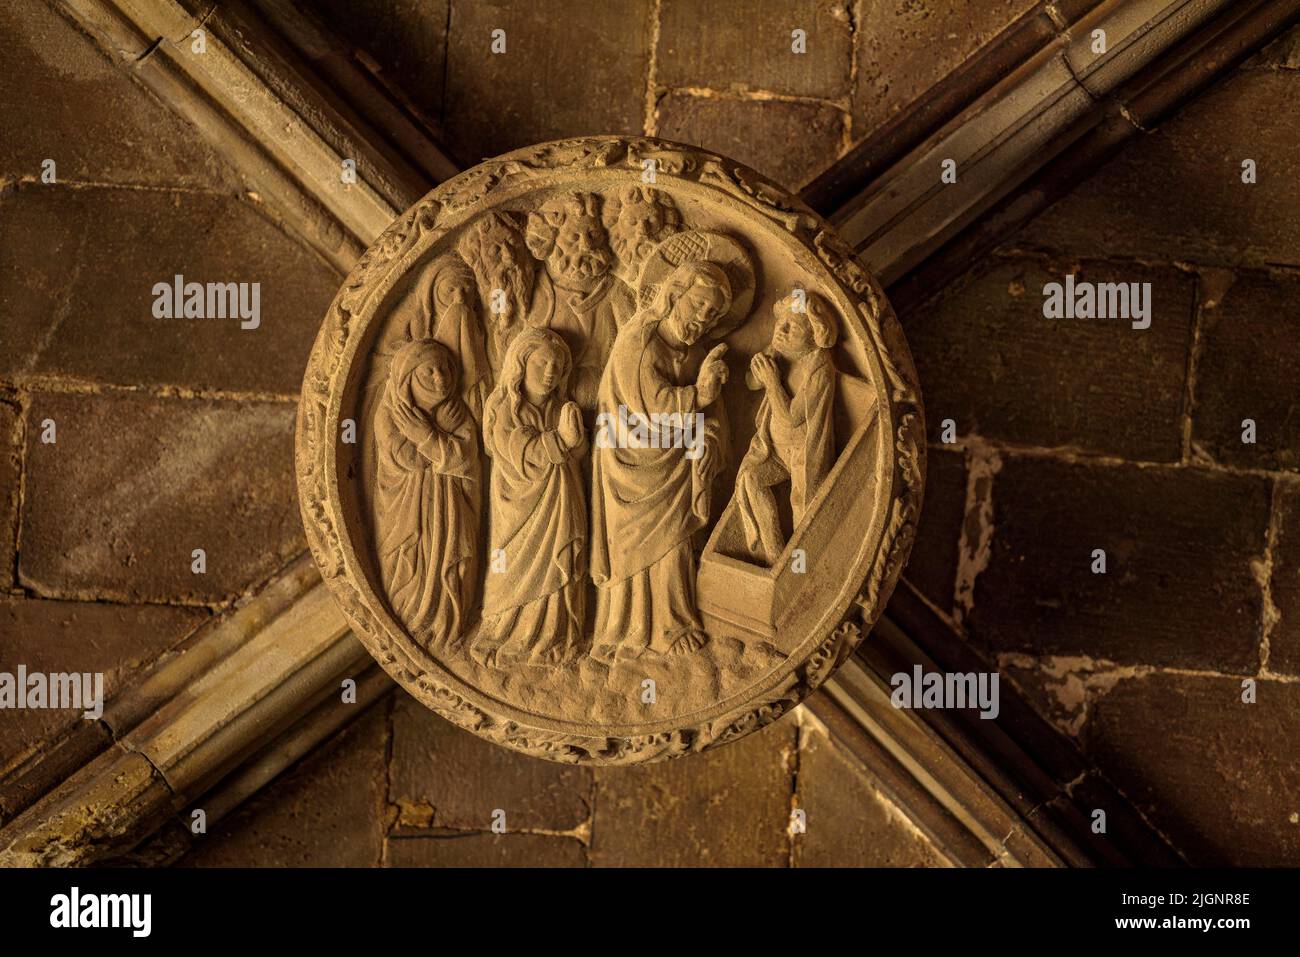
{"x": 629, "y": 652}
{"x": 604, "y": 652}
{"x": 690, "y": 641}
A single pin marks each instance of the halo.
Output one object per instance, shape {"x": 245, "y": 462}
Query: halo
{"x": 718, "y": 248}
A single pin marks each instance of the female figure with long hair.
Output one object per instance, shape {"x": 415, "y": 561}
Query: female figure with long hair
{"x": 535, "y": 593}
{"x": 427, "y": 494}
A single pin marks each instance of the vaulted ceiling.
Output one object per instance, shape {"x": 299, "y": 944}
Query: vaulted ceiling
{"x": 1159, "y": 692}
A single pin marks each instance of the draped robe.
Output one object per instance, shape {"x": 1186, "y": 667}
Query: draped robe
{"x": 533, "y": 605}
{"x": 426, "y": 515}
{"x": 458, "y": 328}
{"x": 587, "y": 314}
{"x": 648, "y": 502}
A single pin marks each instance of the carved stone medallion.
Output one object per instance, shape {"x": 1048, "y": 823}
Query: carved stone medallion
{"x": 610, "y": 450}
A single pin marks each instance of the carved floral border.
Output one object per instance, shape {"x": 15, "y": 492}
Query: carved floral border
{"x": 446, "y": 207}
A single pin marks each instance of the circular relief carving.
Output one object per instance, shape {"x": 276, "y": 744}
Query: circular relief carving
{"x": 610, "y": 450}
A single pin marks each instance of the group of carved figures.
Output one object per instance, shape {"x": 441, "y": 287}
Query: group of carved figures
{"x": 508, "y": 401}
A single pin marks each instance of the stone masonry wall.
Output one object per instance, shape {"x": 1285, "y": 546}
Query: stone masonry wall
{"x": 126, "y": 441}
{"x": 171, "y": 435}
{"x": 715, "y": 73}
{"x": 1068, "y": 435}
{"x": 1080, "y": 434}
{"x": 634, "y": 66}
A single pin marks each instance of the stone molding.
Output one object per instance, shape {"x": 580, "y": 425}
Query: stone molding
{"x": 113, "y": 818}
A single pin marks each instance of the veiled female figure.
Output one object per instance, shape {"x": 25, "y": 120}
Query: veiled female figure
{"x": 427, "y": 494}
{"x": 535, "y": 594}
{"x": 448, "y": 302}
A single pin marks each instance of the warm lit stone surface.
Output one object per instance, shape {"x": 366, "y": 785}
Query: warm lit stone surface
{"x": 904, "y": 48}
{"x": 1214, "y": 774}
{"x": 446, "y": 777}
{"x": 748, "y": 46}
{"x": 990, "y": 361}
{"x": 439, "y": 56}
{"x": 11, "y": 452}
{"x": 788, "y": 141}
{"x": 727, "y": 807}
{"x": 636, "y": 596}
{"x": 78, "y": 637}
{"x": 1178, "y": 588}
{"x": 134, "y": 483}
{"x": 1282, "y": 54}
{"x": 933, "y": 565}
{"x": 1284, "y": 653}
{"x": 849, "y": 821}
{"x": 1049, "y": 687}
{"x": 93, "y": 320}
{"x": 588, "y": 64}
{"x": 476, "y": 849}
{"x": 731, "y": 806}
{"x": 1188, "y": 567}
{"x": 327, "y": 812}
{"x": 411, "y": 35}
{"x": 73, "y": 106}
{"x": 1245, "y": 372}
{"x": 1138, "y": 204}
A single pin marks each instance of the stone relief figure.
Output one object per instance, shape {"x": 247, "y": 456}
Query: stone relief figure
{"x": 448, "y": 300}
{"x": 427, "y": 494}
{"x": 588, "y": 302}
{"x": 794, "y": 432}
{"x": 637, "y": 218}
{"x": 534, "y": 600}
{"x": 493, "y": 246}
{"x": 617, "y": 561}
{"x": 650, "y": 496}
